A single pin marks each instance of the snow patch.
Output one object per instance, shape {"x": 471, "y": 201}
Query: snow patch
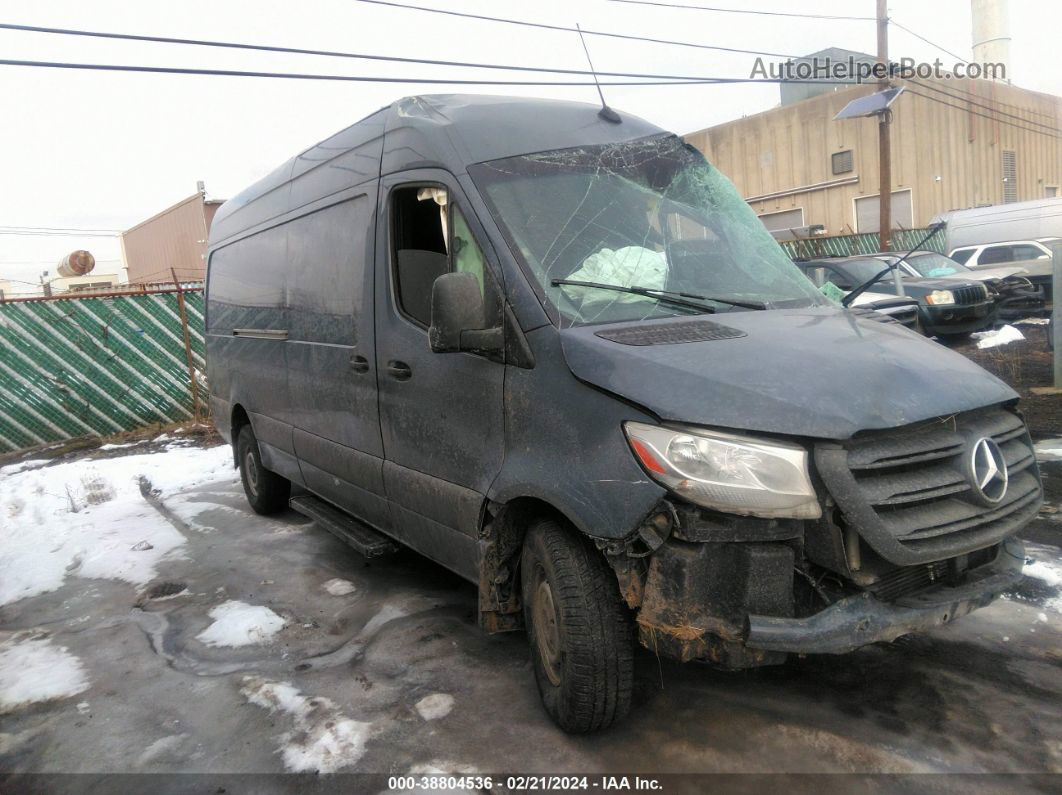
{"x": 82, "y": 518}
{"x": 435, "y": 706}
{"x": 338, "y": 587}
{"x": 1000, "y": 336}
{"x": 1049, "y": 449}
{"x": 322, "y": 739}
{"x": 33, "y": 670}
{"x": 240, "y": 624}
{"x": 160, "y": 747}
{"x": 386, "y": 614}
{"x": 1032, "y": 321}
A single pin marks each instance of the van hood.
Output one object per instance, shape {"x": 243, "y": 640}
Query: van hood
{"x": 822, "y": 372}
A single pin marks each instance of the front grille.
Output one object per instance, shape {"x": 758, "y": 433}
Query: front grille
{"x": 970, "y": 294}
{"x": 909, "y": 580}
{"x": 907, "y": 493}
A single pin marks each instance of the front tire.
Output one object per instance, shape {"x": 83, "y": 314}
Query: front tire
{"x": 580, "y": 631}
{"x": 267, "y": 492}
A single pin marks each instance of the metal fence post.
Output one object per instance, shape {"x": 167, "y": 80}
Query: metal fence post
{"x": 193, "y": 384}
{"x": 1056, "y": 308}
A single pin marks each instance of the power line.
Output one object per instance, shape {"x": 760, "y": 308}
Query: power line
{"x": 958, "y": 58}
{"x": 742, "y": 11}
{"x": 954, "y": 88}
{"x": 418, "y": 80}
{"x": 31, "y": 233}
{"x": 996, "y": 119}
{"x": 544, "y": 26}
{"x": 324, "y": 53}
{"x": 941, "y": 90}
{"x": 56, "y": 228}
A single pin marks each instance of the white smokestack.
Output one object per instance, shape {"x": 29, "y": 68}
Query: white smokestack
{"x": 991, "y": 32}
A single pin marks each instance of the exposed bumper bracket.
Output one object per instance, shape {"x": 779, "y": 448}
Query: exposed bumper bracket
{"x": 858, "y": 620}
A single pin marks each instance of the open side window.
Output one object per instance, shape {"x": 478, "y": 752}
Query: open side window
{"x": 432, "y": 237}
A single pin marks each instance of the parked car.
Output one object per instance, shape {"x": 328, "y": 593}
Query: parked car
{"x": 947, "y": 307}
{"x": 1032, "y": 256}
{"x": 882, "y": 307}
{"x": 889, "y": 308}
{"x": 991, "y": 255}
{"x": 557, "y": 353}
{"x": 1015, "y": 294}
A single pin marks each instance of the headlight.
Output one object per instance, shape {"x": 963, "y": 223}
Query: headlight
{"x": 940, "y": 297}
{"x": 728, "y": 473}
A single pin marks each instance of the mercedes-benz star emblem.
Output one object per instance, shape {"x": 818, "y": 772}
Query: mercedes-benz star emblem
{"x": 988, "y": 471}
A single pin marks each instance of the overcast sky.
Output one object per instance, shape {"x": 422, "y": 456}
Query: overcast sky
{"x": 107, "y": 150}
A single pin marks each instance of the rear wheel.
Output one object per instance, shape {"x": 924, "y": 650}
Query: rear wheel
{"x": 267, "y": 492}
{"x": 581, "y": 633}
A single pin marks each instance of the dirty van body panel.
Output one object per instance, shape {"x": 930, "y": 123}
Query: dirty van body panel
{"x": 756, "y": 383}
{"x": 452, "y": 131}
{"x": 566, "y": 446}
{"x": 249, "y": 321}
{"x": 440, "y": 415}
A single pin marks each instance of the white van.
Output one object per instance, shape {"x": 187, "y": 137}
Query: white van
{"x": 1018, "y": 221}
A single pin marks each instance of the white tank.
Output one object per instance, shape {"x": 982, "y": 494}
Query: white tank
{"x": 76, "y": 263}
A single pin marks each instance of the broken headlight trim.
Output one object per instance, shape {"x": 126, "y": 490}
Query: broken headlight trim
{"x": 940, "y": 297}
{"x": 732, "y": 474}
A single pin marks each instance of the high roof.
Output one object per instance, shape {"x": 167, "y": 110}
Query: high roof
{"x": 448, "y": 131}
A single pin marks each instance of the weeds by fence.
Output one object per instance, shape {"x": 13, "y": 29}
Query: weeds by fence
{"x": 73, "y": 366}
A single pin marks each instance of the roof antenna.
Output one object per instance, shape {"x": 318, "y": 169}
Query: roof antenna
{"x": 606, "y": 112}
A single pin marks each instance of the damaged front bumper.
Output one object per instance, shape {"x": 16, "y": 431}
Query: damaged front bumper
{"x": 732, "y": 604}
{"x": 861, "y": 619}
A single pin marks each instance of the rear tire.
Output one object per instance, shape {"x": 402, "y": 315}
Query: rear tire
{"x": 580, "y": 631}
{"x": 267, "y": 492}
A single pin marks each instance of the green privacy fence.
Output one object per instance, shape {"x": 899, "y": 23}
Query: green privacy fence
{"x": 97, "y": 365}
{"x": 850, "y": 245}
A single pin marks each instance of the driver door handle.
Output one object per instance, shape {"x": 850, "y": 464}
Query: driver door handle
{"x": 359, "y": 364}
{"x": 399, "y": 370}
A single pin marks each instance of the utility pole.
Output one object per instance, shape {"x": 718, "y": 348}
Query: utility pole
{"x": 884, "y": 146}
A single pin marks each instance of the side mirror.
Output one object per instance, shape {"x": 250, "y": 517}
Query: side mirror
{"x": 458, "y": 317}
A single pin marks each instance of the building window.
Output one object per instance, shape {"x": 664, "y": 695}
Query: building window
{"x": 1051, "y": 192}
{"x": 1010, "y": 178}
{"x": 842, "y": 161}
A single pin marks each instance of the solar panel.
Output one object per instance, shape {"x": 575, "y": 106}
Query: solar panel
{"x": 869, "y": 105}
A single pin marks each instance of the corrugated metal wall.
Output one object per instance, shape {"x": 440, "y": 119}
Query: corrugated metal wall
{"x": 78, "y": 366}
{"x": 175, "y": 238}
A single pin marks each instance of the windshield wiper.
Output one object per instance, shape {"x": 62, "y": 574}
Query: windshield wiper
{"x": 667, "y": 296}
{"x": 858, "y": 291}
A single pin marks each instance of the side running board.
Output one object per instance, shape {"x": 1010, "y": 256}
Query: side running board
{"x": 363, "y": 538}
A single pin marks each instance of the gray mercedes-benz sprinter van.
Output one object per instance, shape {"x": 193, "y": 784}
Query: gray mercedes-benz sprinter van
{"x": 560, "y": 356}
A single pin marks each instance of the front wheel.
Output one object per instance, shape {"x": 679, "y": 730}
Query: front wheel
{"x": 267, "y": 492}
{"x": 581, "y": 633}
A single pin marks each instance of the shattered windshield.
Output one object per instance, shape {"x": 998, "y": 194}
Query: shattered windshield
{"x": 933, "y": 265}
{"x": 649, "y": 214}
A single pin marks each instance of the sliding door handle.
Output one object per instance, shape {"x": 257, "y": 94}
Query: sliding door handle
{"x": 399, "y": 370}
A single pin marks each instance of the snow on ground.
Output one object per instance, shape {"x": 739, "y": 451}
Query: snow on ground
{"x": 1042, "y": 564}
{"x": 240, "y": 624}
{"x": 338, "y": 587}
{"x": 1032, "y": 321}
{"x": 85, "y": 517}
{"x": 997, "y": 337}
{"x": 322, "y": 739}
{"x": 435, "y": 706}
{"x": 34, "y": 669}
{"x": 1049, "y": 450}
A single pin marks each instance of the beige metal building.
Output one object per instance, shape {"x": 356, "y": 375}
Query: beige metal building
{"x": 956, "y": 143}
{"x": 174, "y": 238}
